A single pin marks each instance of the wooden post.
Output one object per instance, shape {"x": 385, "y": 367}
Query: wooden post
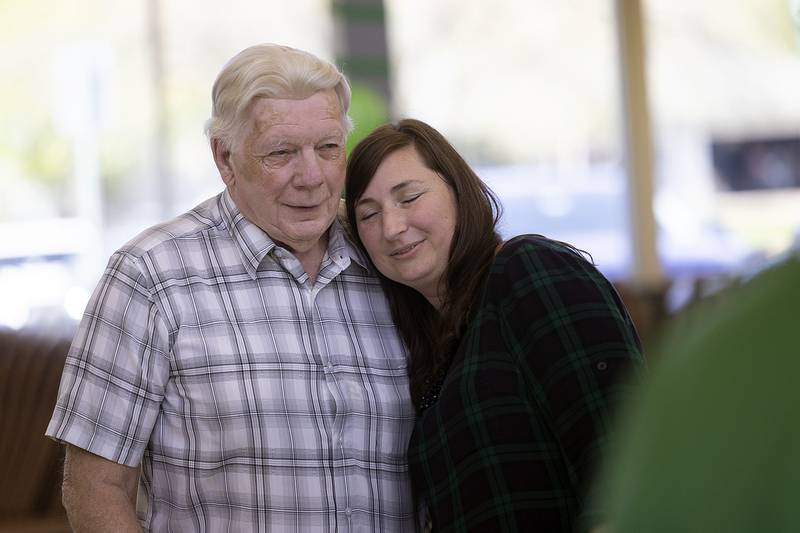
{"x": 647, "y": 274}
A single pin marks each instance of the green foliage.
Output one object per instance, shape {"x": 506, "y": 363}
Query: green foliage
{"x": 368, "y": 110}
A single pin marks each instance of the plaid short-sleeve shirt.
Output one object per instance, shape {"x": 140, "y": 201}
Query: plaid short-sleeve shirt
{"x": 253, "y": 399}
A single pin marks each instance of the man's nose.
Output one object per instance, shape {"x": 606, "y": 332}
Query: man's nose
{"x": 309, "y": 172}
{"x": 394, "y": 223}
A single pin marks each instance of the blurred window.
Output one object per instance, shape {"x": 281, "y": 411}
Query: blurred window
{"x": 724, "y": 84}
{"x": 527, "y": 91}
{"x": 104, "y": 103}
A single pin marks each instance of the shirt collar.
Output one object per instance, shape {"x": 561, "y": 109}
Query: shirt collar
{"x": 254, "y": 243}
{"x": 340, "y": 245}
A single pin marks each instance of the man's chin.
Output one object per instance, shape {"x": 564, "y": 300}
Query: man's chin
{"x": 309, "y": 230}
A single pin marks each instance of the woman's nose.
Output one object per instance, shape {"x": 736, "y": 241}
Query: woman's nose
{"x": 394, "y": 223}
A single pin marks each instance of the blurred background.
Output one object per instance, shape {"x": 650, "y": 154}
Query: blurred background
{"x": 103, "y": 104}
{"x": 661, "y": 136}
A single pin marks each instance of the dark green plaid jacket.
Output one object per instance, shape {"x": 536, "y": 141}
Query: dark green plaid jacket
{"x": 523, "y": 414}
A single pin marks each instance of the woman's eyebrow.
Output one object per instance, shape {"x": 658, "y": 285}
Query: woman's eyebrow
{"x": 403, "y": 185}
{"x": 394, "y": 190}
{"x": 361, "y": 201}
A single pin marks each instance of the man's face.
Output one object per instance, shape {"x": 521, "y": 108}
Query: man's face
{"x": 287, "y": 173}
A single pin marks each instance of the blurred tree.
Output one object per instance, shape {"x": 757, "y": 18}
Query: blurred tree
{"x": 360, "y": 27}
{"x": 368, "y": 111}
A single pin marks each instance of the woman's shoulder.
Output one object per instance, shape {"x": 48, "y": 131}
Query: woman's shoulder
{"x": 540, "y": 253}
{"x": 534, "y": 272}
{"x": 537, "y": 263}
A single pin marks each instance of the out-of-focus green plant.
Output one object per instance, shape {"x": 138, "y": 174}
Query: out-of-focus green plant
{"x": 368, "y": 109}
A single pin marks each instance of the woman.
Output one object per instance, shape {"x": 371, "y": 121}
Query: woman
{"x": 518, "y": 350}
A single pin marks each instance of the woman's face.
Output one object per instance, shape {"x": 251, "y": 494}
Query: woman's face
{"x": 406, "y": 219}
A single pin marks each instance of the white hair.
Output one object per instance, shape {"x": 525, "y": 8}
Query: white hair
{"x": 269, "y": 71}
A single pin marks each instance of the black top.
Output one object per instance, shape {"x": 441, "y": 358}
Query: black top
{"x": 511, "y": 440}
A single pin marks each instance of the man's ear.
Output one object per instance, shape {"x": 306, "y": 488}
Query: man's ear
{"x": 222, "y": 158}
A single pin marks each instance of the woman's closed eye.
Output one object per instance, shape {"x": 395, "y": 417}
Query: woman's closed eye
{"x": 411, "y": 199}
{"x": 366, "y": 215}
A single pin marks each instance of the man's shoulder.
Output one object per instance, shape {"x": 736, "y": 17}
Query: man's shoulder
{"x": 190, "y": 225}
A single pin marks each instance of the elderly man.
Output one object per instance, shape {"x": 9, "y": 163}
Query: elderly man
{"x": 238, "y": 364}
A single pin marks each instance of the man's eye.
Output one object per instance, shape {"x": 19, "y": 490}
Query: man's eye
{"x": 278, "y": 153}
{"x": 330, "y": 150}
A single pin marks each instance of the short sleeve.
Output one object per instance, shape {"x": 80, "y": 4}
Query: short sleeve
{"x": 574, "y": 341}
{"x": 116, "y": 370}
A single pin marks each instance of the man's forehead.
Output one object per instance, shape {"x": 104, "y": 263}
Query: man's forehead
{"x": 320, "y": 107}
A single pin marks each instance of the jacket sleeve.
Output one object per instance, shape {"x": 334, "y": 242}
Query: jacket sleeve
{"x": 575, "y": 345}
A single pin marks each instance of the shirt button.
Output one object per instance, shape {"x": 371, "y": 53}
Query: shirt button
{"x": 602, "y": 365}
{"x": 348, "y": 511}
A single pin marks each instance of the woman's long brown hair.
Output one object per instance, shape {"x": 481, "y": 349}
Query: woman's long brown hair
{"x": 430, "y": 335}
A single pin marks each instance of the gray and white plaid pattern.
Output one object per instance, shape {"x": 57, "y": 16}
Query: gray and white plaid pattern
{"x": 253, "y": 400}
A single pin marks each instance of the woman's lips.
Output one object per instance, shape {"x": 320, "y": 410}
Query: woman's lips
{"x": 405, "y": 250}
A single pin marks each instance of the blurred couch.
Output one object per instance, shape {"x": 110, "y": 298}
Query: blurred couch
{"x": 31, "y": 362}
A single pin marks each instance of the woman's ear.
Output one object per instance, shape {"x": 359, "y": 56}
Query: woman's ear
{"x": 222, "y": 158}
